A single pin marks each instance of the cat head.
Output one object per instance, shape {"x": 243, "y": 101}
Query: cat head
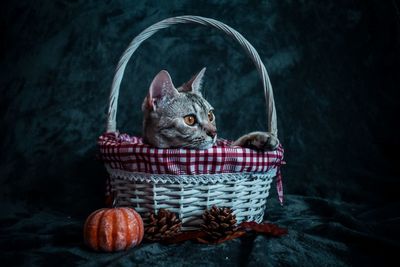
{"x": 178, "y": 117}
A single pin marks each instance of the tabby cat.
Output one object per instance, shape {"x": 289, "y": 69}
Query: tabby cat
{"x": 182, "y": 118}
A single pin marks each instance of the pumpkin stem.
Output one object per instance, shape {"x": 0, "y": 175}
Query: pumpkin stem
{"x": 111, "y": 200}
{"x": 114, "y": 200}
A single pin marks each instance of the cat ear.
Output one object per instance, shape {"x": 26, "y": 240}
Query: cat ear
{"x": 160, "y": 87}
{"x": 194, "y": 84}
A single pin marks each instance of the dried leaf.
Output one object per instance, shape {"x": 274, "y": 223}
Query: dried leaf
{"x": 232, "y": 236}
{"x": 221, "y": 240}
{"x": 264, "y": 228}
{"x": 216, "y": 235}
{"x": 202, "y": 240}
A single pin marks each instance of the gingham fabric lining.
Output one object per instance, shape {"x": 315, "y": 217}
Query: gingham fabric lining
{"x": 129, "y": 153}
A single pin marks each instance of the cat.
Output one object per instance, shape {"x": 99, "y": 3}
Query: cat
{"x": 182, "y": 118}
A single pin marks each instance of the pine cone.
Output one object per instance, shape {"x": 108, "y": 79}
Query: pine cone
{"x": 161, "y": 226}
{"x": 219, "y": 222}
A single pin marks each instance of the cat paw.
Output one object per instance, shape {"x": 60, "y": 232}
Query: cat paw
{"x": 258, "y": 141}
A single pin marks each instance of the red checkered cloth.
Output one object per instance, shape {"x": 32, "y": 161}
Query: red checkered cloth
{"x": 129, "y": 153}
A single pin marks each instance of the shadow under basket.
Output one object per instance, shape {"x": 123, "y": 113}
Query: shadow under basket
{"x": 188, "y": 181}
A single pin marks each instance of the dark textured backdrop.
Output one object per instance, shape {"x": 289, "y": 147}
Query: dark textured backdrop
{"x": 334, "y": 66}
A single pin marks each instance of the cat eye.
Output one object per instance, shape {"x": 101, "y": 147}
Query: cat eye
{"x": 190, "y": 120}
{"x": 210, "y": 116}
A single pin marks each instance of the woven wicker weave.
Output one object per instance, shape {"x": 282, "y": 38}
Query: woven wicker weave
{"x": 190, "y": 195}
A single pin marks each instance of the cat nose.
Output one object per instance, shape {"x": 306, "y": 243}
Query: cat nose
{"x": 212, "y": 133}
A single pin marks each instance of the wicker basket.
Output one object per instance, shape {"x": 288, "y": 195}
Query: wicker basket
{"x": 187, "y": 192}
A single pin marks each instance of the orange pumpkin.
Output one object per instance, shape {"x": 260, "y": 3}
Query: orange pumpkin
{"x": 113, "y": 229}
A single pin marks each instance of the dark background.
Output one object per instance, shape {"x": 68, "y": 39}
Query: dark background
{"x": 334, "y": 67}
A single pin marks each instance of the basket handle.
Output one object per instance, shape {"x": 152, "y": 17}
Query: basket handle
{"x": 135, "y": 43}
